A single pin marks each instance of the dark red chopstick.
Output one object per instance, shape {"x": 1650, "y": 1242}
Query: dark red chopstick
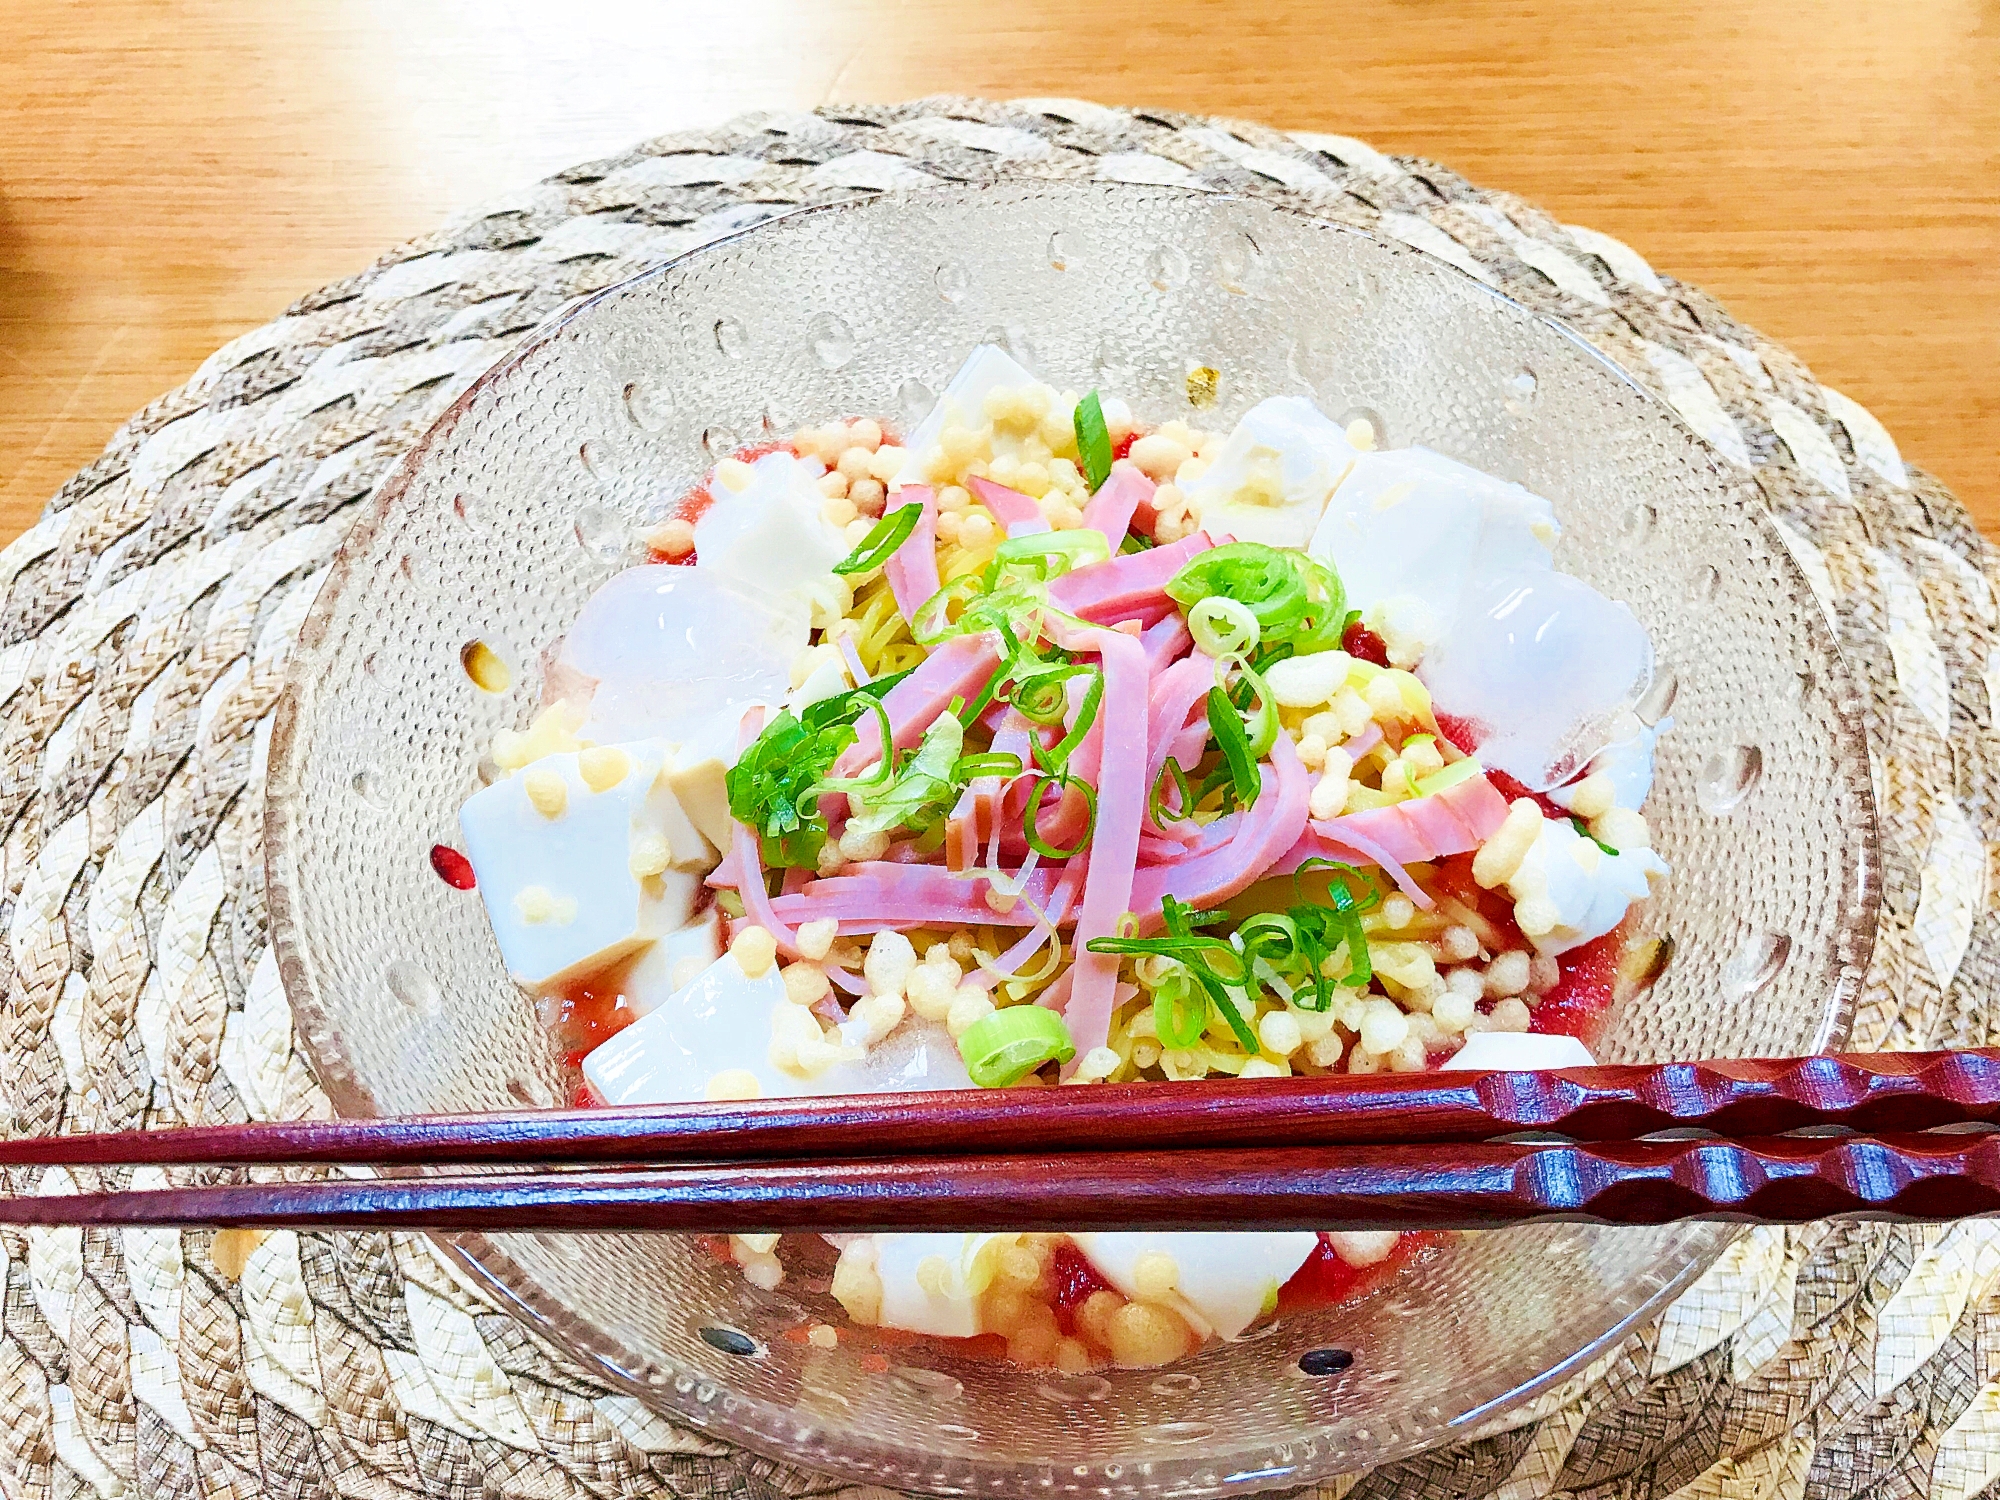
{"x": 1865, "y": 1092}
{"x": 1481, "y": 1186}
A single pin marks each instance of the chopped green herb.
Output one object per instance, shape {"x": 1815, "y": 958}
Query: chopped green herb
{"x": 882, "y": 540}
{"x": 1093, "y": 441}
{"x": 918, "y": 795}
{"x": 1583, "y": 830}
{"x": 1226, "y": 728}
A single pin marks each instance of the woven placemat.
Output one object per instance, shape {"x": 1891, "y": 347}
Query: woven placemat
{"x": 143, "y": 641}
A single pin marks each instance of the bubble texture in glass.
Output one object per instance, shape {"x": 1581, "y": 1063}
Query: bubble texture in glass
{"x": 400, "y": 992}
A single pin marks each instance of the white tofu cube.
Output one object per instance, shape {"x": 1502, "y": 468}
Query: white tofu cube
{"x": 943, "y": 1301}
{"x": 1270, "y": 481}
{"x": 651, "y": 980}
{"x": 1225, "y": 1281}
{"x": 724, "y": 1022}
{"x": 557, "y": 877}
{"x": 1519, "y": 1052}
{"x": 769, "y": 536}
{"x": 700, "y": 781}
{"x": 721, "y": 1023}
{"x": 987, "y": 369}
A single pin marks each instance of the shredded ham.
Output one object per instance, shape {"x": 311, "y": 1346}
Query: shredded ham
{"x": 750, "y": 862}
{"x": 1117, "y": 500}
{"x": 1166, "y": 640}
{"x": 1126, "y": 587}
{"x": 1176, "y": 692}
{"x": 1008, "y": 963}
{"x": 1456, "y": 820}
{"x": 1020, "y": 514}
{"x": 1355, "y": 849}
{"x": 1215, "y": 872}
{"x": 882, "y": 894}
{"x": 912, "y": 568}
{"x": 957, "y": 669}
{"x": 1108, "y": 883}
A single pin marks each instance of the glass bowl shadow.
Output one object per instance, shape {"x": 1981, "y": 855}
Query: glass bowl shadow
{"x": 524, "y": 497}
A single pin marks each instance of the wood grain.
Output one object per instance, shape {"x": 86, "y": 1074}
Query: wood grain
{"x": 1890, "y": 1091}
{"x": 173, "y": 172}
{"x": 1775, "y": 1180}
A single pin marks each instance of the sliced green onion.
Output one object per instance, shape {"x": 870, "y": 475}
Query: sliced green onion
{"x": 1056, "y": 759}
{"x": 1003, "y": 1048}
{"x": 1180, "y": 1010}
{"x": 1292, "y": 596}
{"x": 1262, "y": 579}
{"x": 1030, "y": 815}
{"x": 1156, "y": 806}
{"x": 972, "y": 767}
{"x": 1450, "y": 776}
{"x": 885, "y": 768}
{"x": 931, "y": 624}
{"x": 1093, "y": 440}
{"x": 1583, "y": 829}
{"x": 1263, "y": 726}
{"x": 1230, "y": 1000}
{"x": 1227, "y": 730}
{"x": 1223, "y": 627}
{"x": 1039, "y": 689}
{"x": 882, "y": 540}
{"x": 1076, "y": 548}
{"x": 729, "y": 903}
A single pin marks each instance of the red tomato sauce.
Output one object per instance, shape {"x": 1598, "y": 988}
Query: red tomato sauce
{"x": 1364, "y": 644}
{"x": 585, "y": 1013}
{"x": 453, "y": 868}
{"x": 1576, "y": 1006}
{"x": 1325, "y": 1280}
{"x": 1075, "y": 1280}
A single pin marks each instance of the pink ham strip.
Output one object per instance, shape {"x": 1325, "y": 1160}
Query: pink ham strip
{"x": 1204, "y": 839}
{"x": 957, "y": 669}
{"x": 1363, "y": 742}
{"x": 1175, "y": 693}
{"x": 1122, "y": 587}
{"x": 743, "y": 849}
{"x": 880, "y": 879}
{"x": 843, "y": 979}
{"x": 1058, "y": 909}
{"x": 1456, "y": 820}
{"x": 886, "y": 895}
{"x": 1114, "y": 845}
{"x": 1271, "y": 826}
{"x": 1165, "y": 640}
{"x": 852, "y": 657}
{"x": 912, "y": 568}
{"x": 1020, "y": 514}
{"x": 1062, "y": 822}
{"x": 1111, "y": 509}
{"x": 1357, "y": 849}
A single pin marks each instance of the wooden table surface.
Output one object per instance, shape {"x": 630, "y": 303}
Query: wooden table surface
{"x": 173, "y": 172}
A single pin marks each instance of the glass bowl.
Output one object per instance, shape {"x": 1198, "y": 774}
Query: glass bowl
{"x": 524, "y": 496}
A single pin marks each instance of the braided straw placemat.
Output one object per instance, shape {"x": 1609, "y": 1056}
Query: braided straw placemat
{"x": 143, "y": 641}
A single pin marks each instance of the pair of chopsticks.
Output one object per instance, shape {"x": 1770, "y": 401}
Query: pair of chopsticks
{"x": 1389, "y": 1151}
